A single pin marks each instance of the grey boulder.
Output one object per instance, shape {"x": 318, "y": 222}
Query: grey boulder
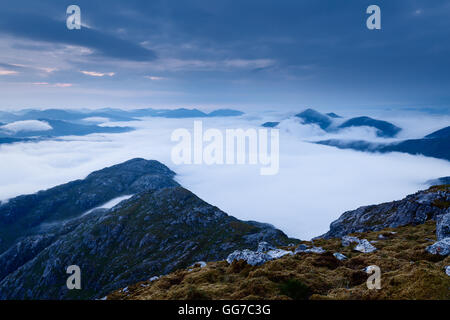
{"x": 441, "y": 247}
{"x": 339, "y": 256}
{"x": 253, "y": 258}
{"x": 365, "y": 246}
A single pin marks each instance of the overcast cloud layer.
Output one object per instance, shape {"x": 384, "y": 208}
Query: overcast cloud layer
{"x": 245, "y": 54}
{"x": 314, "y": 186}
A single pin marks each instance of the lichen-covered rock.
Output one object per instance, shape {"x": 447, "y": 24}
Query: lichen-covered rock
{"x": 253, "y": 258}
{"x": 302, "y": 248}
{"x": 256, "y": 258}
{"x": 339, "y": 256}
{"x": 365, "y": 246}
{"x": 278, "y": 253}
{"x": 347, "y": 240}
{"x": 443, "y": 226}
{"x": 441, "y": 247}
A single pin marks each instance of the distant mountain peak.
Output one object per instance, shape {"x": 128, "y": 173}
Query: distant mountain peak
{"x": 333, "y": 115}
{"x": 442, "y": 133}
{"x": 385, "y": 129}
{"x": 225, "y": 113}
{"x": 311, "y": 116}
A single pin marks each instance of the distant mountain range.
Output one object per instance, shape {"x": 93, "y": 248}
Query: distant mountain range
{"x": 62, "y": 128}
{"x": 326, "y": 122}
{"x": 330, "y": 122}
{"x": 112, "y": 114}
{"x": 161, "y": 227}
{"x": 436, "y": 145}
{"x": 79, "y": 123}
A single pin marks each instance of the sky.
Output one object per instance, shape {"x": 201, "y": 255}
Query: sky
{"x": 247, "y": 55}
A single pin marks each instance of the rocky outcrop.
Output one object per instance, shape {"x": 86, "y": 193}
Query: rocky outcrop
{"x": 443, "y": 226}
{"x": 253, "y": 258}
{"x": 265, "y": 252}
{"x": 413, "y": 210}
{"x": 158, "y": 230}
{"x": 365, "y": 246}
{"x": 441, "y": 247}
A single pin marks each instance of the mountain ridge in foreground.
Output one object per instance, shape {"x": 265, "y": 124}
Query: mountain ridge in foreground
{"x": 161, "y": 228}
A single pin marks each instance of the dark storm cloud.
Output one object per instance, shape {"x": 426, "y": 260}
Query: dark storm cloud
{"x": 42, "y": 28}
{"x": 311, "y": 47}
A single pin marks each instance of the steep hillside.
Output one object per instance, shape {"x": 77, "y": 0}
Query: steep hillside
{"x": 163, "y": 227}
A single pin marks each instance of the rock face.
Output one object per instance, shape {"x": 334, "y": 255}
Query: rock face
{"x": 441, "y": 247}
{"x": 413, "y": 210}
{"x": 163, "y": 227}
{"x": 365, "y": 246}
{"x": 443, "y": 226}
{"x": 265, "y": 252}
{"x": 253, "y": 258}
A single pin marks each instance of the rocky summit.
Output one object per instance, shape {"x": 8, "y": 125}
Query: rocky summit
{"x": 415, "y": 209}
{"x": 161, "y": 228}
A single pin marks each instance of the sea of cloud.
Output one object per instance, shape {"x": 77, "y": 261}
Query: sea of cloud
{"x": 314, "y": 186}
{"x": 26, "y": 125}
